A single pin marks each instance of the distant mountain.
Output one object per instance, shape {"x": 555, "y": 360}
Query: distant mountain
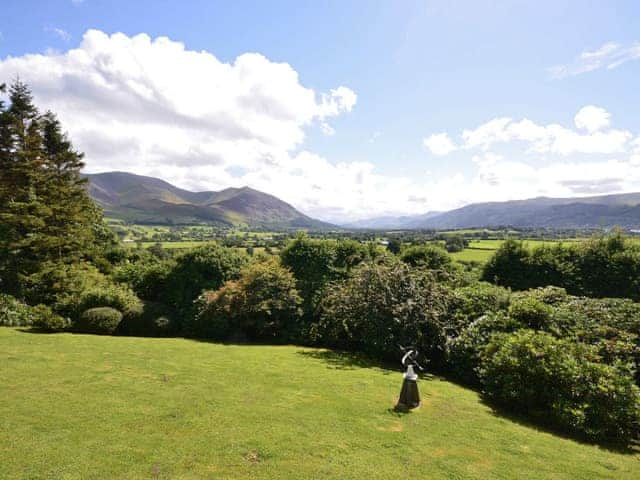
{"x": 393, "y": 223}
{"x": 139, "y": 199}
{"x": 621, "y": 210}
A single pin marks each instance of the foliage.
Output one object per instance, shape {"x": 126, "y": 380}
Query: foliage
{"x": 311, "y": 262}
{"x": 605, "y": 266}
{"x": 383, "y": 305}
{"x": 455, "y": 243}
{"x": 100, "y": 320}
{"x": 46, "y": 215}
{"x": 44, "y": 318}
{"x": 203, "y": 268}
{"x": 115, "y": 296}
{"x": 470, "y": 303}
{"x": 427, "y": 256}
{"x": 14, "y": 313}
{"x": 148, "y": 279}
{"x": 394, "y": 246}
{"x": 463, "y": 351}
{"x": 148, "y": 319}
{"x": 530, "y": 312}
{"x": 507, "y": 267}
{"x": 263, "y": 304}
{"x": 558, "y": 380}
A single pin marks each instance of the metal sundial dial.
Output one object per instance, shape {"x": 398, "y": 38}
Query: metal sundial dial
{"x": 409, "y": 395}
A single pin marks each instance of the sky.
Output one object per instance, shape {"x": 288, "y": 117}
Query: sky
{"x": 345, "y": 109}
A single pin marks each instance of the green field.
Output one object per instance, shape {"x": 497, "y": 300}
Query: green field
{"x": 91, "y": 407}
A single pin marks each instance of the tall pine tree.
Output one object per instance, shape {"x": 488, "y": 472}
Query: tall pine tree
{"x": 47, "y": 218}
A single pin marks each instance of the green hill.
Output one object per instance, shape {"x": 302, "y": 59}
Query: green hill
{"x": 92, "y": 407}
{"x": 147, "y": 200}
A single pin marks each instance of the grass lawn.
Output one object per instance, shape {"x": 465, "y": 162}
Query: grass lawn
{"x": 90, "y": 407}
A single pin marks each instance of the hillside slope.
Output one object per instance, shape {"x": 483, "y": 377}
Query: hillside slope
{"x": 140, "y": 199}
{"x": 581, "y": 212}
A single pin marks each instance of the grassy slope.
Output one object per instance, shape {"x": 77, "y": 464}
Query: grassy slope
{"x": 83, "y": 407}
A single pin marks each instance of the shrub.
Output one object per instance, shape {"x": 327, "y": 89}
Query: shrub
{"x": 112, "y": 295}
{"x": 312, "y": 264}
{"x": 530, "y": 311}
{"x": 149, "y": 280}
{"x": 427, "y": 256}
{"x": 558, "y": 380}
{"x": 471, "y": 302}
{"x": 455, "y": 243}
{"x": 46, "y": 319}
{"x": 14, "y": 313}
{"x": 262, "y": 304}
{"x": 100, "y": 320}
{"x": 203, "y": 268}
{"x": 382, "y": 306}
{"x": 463, "y": 351}
{"x": 508, "y": 266}
{"x": 148, "y": 319}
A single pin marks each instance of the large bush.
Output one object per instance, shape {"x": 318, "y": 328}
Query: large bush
{"x": 148, "y": 319}
{"x": 428, "y": 256}
{"x": 383, "y": 305}
{"x": 471, "y": 302}
{"x": 14, "y": 313}
{"x": 557, "y": 380}
{"x": 464, "y": 350}
{"x": 115, "y": 296}
{"x": 530, "y": 311}
{"x": 312, "y": 263}
{"x": 148, "y": 279}
{"x": 509, "y": 266}
{"x": 607, "y": 266}
{"x": 100, "y": 320}
{"x": 203, "y": 268}
{"x": 263, "y": 304}
{"x": 44, "y": 318}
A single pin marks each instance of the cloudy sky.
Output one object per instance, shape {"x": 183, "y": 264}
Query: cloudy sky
{"x": 346, "y": 109}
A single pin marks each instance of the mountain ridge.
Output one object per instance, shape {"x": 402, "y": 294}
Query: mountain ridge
{"x": 142, "y": 199}
{"x": 596, "y": 211}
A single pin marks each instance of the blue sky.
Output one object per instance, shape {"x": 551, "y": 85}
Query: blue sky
{"x": 417, "y": 68}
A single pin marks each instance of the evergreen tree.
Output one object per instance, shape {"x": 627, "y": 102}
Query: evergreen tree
{"x": 46, "y": 215}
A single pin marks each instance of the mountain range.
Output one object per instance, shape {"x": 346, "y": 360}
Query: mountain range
{"x": 621, "y": 210}
{"x": 140, "y": 199}
{"x": 147, "y": 200}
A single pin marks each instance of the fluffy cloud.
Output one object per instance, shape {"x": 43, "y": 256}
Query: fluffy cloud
{"x": 439, "y": 144}
{"x": 553, "y": 138}
{"x": 154, "y": 107}
{"x": 610, "y": 56}
{"x": 592, "y": 118}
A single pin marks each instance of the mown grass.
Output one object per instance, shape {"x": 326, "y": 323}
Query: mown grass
{"x": 90, "y": 407}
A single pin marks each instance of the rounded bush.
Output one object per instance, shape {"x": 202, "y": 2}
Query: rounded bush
{"x": 46, "y": 319}
{"x": 427, "y": 256}
{"x": 100, "y": 320}
{"x": 463, "y": 351}
{"x": 149, "y": 319}
{"x": 14, "y": 313}
{"x": 530, "y": 311}
{"x": 557, "y": 380}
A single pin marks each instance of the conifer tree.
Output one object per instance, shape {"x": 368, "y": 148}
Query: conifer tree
{"x": 46, "y": 215}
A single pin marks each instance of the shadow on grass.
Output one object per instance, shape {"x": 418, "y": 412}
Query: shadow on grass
{"x": 536, "y": 423}
{"x": 343, "y": 360}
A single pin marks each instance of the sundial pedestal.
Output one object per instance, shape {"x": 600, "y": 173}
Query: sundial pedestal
{"x": 409, "y": 395}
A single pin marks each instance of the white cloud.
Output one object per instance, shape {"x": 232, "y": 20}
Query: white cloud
{"x": 60, "y": 33}
{"x": 553, "y": 138}
{"x": 610, "y": 56}
{"x": 439, "y": 144}
{"x": 592, "y": 118}
{"x": 153, "y": 107}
